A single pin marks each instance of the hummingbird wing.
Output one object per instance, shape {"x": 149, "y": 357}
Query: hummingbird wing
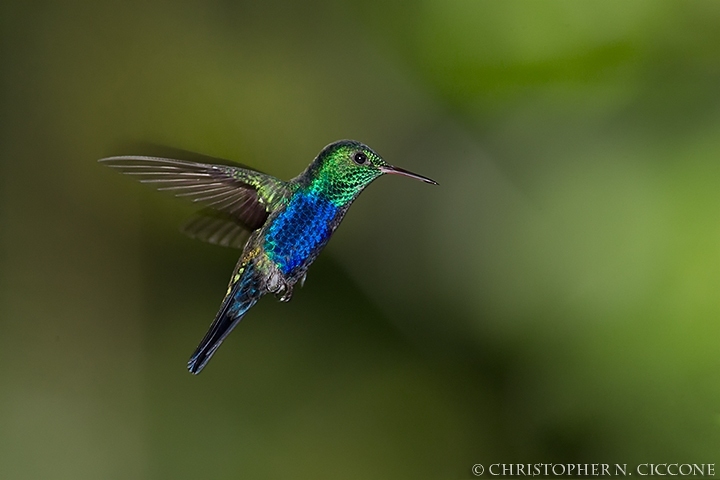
{"x": 216, "y": 227}
{"x": 244, "y": 195}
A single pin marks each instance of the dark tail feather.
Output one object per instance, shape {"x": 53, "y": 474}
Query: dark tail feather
{"x": 245, "y": 294}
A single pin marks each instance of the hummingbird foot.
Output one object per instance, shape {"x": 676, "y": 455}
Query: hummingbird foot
{"x": 285, "y": 295}
{"x": 278, "y": 284}
{"x": 283, "y": 292}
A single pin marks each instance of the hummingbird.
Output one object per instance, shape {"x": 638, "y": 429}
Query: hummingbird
{"x": 281, "y": 226}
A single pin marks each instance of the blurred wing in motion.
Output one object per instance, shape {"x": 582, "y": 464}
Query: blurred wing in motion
{"x": 217, "y": 228}
{"x": 245, "y": 196}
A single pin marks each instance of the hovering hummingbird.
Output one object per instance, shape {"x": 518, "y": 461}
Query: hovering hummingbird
{"x": 281, "y": 226}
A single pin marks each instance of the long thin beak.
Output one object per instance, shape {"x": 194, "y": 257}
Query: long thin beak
{"x": 401, "y": 171}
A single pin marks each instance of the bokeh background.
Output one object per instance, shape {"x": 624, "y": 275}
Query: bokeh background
{"x": 556, "y": 299}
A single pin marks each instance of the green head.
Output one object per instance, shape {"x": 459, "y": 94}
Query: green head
{"x": 344, "y": 168}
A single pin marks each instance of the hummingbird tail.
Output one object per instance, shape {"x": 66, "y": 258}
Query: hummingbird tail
{"x": 244, "y": 294}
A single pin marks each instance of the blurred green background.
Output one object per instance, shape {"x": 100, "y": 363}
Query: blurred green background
{"x": 554, "y": 300}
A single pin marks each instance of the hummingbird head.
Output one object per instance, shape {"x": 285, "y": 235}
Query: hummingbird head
{"x": 344, "y": 168}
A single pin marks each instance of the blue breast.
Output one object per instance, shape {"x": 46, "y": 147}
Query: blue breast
{"x": 299, "y": 230}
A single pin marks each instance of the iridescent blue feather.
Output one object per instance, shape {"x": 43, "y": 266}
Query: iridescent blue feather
{"x": 300, "y": 230}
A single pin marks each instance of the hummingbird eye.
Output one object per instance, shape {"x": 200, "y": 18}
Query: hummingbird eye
{"x": 360, "y": 158}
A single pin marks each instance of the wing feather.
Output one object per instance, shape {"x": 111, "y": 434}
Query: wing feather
{"x": 217, "y": 228}
{"x": 244, "y": 197}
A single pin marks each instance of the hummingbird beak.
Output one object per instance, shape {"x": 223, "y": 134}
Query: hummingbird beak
{"x": 401, "y": 171}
